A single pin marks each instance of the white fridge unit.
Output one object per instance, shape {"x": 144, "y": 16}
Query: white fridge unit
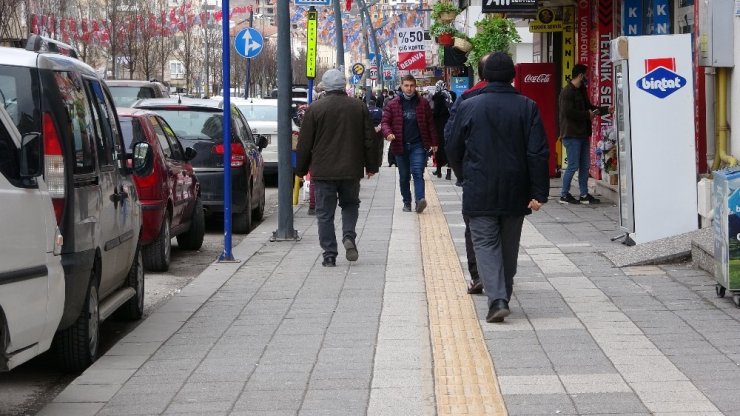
{"x": 654, "y": 123}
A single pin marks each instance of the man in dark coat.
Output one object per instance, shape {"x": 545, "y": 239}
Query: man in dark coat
{"x": 499, "y": 148}
{"x": 408, "y": 125}
{"x": 338, "y": 142}
{"x": 476, "y": 286}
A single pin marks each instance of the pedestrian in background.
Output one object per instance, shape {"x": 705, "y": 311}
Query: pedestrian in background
{"x": 499, "y": 145}
{"x": 576, "y": 113}
{"x": 408, "y": 125}
{"x": 476, "y": 286}
{"x": 441, "y": 102}
{"x": 337, "y": 141}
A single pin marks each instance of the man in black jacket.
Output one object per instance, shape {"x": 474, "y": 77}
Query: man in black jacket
{"x": 498, "y": 145}
{"x": 576, "y": 113}
{"x": 338, "y": 142}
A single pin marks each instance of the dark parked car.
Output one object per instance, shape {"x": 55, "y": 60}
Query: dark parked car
{"x": 170, "y": 196}
{"x": 72, "y": 138}
{"x": 126, "y": 92}
{"x": 198, "y": 124}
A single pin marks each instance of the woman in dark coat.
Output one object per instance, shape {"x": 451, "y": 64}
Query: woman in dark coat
{"x": 441, "y": 113}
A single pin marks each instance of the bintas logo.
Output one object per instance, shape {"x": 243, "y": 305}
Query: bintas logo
{"x": 660, "y": 78}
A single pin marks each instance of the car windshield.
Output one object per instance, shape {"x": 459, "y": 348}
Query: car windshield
{"x": 126, "y": 96}
{"x": 253, "y": 112}
{"x": 192, "y": 124}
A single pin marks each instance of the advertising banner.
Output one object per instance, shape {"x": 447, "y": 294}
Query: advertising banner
{"x": 601, "y": 80}
{"x": 516, "y": 7}
{"x": 569, "y": 44}
{"x": 583, "y": 22}
{"x": 412, "y": 60}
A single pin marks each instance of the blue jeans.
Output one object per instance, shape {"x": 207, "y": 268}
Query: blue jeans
{"x": 411, "y": 163}
{"x": 577, "y": 151}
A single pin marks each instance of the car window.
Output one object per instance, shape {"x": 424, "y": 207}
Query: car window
{"x": 161, "y": 137}
{"x": 254, "y": 112}
{"x": 126, "y": 96}
{"x": 132, "y": 132}
{"x": 177, "y": 151}
{"x": 102, "y": 120}
{"x": 194, "y": 124}
{"x": 240, "y": 128}
{"x": 19, "y": 95}
{"x": 8, "y": 155}
{"x": 79, "y": 118}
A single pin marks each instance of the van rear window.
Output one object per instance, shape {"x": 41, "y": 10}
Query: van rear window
{"x": 79, "y": 119}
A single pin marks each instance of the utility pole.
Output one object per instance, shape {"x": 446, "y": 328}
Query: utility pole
{"x": 249, "y": 60}
{"x": 285, "y": 231}
{"x": 226, "y": 255}
{"x": 340, "y": 34}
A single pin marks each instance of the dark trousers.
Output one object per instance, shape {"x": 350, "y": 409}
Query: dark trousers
{"x": 347, "y": 193}
{"x": 470, "y": 250}
{"x": 496, "y": 242}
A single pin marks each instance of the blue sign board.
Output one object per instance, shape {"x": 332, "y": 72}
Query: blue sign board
{"x": 355, "y": 79}
{"x": 248, "y": 42}
{"x": 460, "y": 84}
{"x": 312, "y": 2}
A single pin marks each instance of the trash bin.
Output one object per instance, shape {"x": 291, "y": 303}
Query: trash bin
{"x": 726, "y": 228}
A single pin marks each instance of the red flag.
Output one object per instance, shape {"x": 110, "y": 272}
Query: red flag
{"x": 348, "y": 4}
{"x": 95, "y": 26}
{"x": 84, "y": 26}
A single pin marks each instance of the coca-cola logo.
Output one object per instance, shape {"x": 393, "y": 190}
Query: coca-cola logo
{"x": 537, "y": 79}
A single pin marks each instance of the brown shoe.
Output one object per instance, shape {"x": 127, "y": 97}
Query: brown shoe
{"x": 475, "y": 288}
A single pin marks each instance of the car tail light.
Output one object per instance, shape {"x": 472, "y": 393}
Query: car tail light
{"x": 53, "y": 165}
{"x": 238, "y": 155}
{"x": 147, "y": 185}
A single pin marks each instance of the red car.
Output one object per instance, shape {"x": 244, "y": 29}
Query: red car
{"x": 170, "y": 196}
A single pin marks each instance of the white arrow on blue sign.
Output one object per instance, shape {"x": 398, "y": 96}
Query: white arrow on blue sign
{"x": 313, "y": 2}
{"x": 248, "y": 42}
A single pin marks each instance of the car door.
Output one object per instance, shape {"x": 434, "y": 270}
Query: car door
{"x": 172, "y": 169}
{"x": 253, "y": 151}
{"x": 115, "y": 203}
{"x": 24, "y": 273}
{"x": 184, "y": 191}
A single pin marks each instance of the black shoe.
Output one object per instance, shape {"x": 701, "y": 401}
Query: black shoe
{"x": 329, "y": 261}
{"x": 312, "y": 211}
{"x": 476, "y": 287}
{"x": 406, "y": 207}
{"x": 498, "y": 311}
{"x": 351, "y": 247}
{"x": 589, "y": 199}
{"x": 459, "y": 183}
{"x": 449, "y": 174}
{"x": 437, "y": 173}
{"x": 420, "y": 205}
{"x": 568, "y": 199}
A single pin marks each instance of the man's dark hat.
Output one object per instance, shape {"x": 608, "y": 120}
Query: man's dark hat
{"x": 499, "y": 67}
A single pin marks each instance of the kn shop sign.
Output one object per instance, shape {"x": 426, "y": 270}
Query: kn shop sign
{"x": 411, "y": 48}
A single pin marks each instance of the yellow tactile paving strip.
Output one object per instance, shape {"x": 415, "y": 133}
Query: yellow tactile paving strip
{"x": 464, "y": 378}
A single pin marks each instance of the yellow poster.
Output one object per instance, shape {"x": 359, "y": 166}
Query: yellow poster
{"x": 568, "y": 60}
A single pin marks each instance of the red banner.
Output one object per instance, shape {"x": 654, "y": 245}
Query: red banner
{"x": 412, "y": 60}
{"x": 601, "y": 86}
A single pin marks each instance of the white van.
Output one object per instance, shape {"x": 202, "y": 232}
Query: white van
{"x": 31, "y": 274}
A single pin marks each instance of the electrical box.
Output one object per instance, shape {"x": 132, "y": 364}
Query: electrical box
{"x": 716, "y": 33}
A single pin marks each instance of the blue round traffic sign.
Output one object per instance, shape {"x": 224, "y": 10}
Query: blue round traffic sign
{"x": 248, "y": 42}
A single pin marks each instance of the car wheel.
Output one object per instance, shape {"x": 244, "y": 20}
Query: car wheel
{"x": 77, "y": 346}
{"x": 259, "y": 211}
{"x": 192, "y": 239}
{"x": 157, "y": 254}
{"x": 241, "y": 223}
{"x": 133, "y": 309}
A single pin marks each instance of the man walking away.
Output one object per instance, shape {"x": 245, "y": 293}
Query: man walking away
{"x": 498, "y": 142}
{"x": 408, "y": 125}
{"x": 576, "y": 113}
{"x": 338, "y": 142}
{"x": 476, "y": 286}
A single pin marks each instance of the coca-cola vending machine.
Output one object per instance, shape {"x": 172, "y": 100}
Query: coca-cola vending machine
{"x": 539, "y": 82}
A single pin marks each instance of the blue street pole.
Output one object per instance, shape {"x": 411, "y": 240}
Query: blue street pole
{"x": 310, "y": 90}
{"x": 226, "y": 49}
{"x": 249, "y": 60}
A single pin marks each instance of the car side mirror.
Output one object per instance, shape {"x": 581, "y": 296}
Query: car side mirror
{"x": 30, "y": 156}
{"x": 143, "y": 159}
{"x": 262, "y": 142}
{"x": 190, "y": 154}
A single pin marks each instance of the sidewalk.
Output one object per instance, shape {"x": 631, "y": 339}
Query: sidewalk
{"x": 396, "y": 334}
